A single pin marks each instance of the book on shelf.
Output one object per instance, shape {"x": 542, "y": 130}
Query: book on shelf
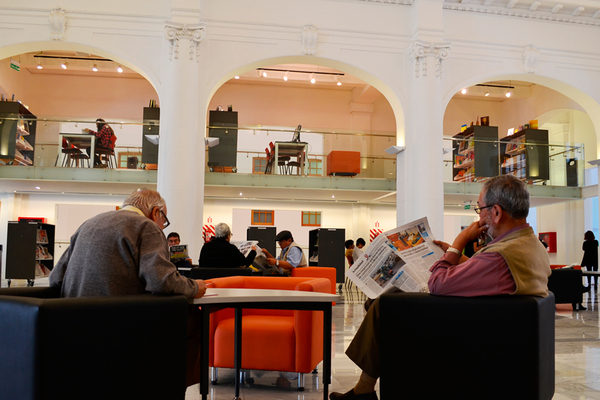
{"x": 42, "y": 236}
{"x": 47, "y": 255}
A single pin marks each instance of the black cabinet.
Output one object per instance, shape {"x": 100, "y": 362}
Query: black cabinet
{"x": 476, "y": 153}
{"x": 265, "y": 236}
{"x": 150, "y": 129}
{"x": 326, "y": 249}
{"x": 526, "y": 155}
{"x": 223, "y": 125}
{"x": 17, "y": 133}
{"x": 28, "y": 244}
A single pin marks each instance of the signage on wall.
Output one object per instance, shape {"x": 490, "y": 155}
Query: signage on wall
{"x": 208, "y": 231}
{"x": 15, "y": 65}
{"x": 374, "y": 232}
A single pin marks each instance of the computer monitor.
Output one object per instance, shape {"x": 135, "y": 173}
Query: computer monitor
{"x": 296, "y": 137}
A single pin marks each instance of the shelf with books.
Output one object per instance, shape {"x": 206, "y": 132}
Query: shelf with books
{"x": 17, "y": 133}
{"x": 29, "y": 250}
{"x": 526, "y": 154}
{"x": 476, "y": 154}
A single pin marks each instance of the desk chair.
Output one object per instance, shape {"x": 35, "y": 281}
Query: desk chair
{"x": 282, "y": 161}
{"x": 269, "y": 165}
{"x": 108, "y": 155}
{"x": 72, "y": 155}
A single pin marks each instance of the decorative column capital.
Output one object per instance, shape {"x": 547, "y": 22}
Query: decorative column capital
{"x": 175, "y": 31}
{"x": 58, "y": 23}
{"x": 531, "y": 58}
{"x": 309, "y": 39}
{"x": 421, "y": 50}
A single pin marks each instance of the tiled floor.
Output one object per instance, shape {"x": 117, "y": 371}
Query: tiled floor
{"x": 577, "y": 357}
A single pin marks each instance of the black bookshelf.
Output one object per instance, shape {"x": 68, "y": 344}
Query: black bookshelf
{"x": 26, "y": 247}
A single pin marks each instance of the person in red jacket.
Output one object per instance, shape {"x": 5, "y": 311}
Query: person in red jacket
{"x": 105, "y": 141}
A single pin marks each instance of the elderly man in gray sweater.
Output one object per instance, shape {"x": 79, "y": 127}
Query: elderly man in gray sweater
{"x": 125, "y": 252}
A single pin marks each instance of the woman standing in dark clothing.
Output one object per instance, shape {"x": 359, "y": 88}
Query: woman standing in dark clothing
{"x": 590, "y": 256}
{"x": 219, "y": 253}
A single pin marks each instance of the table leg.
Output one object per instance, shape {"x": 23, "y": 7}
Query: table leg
{"x": 92, "y": 151}
{"x": 238, "y": 351}
{"x": 276, "y": 160}
{"x": 326, "y": 351}
{"x": 204, "y": 351}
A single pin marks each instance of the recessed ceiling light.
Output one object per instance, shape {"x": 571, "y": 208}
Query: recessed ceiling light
{"x": 464, "y": 91}
{"x": 119, "y": 69}
{"x": 237, "y": 77}
{"x": 37, "y": 187}
{"x": 508, "y": 93}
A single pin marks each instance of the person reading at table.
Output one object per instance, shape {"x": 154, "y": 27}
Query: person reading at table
{"x": 291, "y": 255}
{"x": 125, "y": 252}
{"x": 105, "y": 141}
{"x": 220, "y": 253}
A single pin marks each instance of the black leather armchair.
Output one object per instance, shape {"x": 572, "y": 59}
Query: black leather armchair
{"x": 567, "y": 285}
{"x": 437, "y": 347}
{"x": 118, "y": 347}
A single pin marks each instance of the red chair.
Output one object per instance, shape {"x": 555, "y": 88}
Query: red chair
{"x": 272, "y": 340}
{"x": 108, "y": 155}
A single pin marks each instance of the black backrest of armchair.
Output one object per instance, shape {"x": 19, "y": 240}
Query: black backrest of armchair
{"x": 566, "y": 284}
{"x": 499, "y": 347}
{"x": 118, "y": 347}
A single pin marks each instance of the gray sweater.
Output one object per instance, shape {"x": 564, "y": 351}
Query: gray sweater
{"x": 119, "y": 253}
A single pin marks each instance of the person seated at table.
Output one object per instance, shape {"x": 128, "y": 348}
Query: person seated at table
{"x": 174, "y": 240}
{"x": 291, "y": 255}
{"x": 104, "y": 134}
{"x": 220, "y": 253}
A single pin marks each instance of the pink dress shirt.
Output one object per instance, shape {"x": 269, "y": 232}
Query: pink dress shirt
{"x": 485, "y": 274}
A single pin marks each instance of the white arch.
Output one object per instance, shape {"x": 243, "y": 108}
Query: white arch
{"x": 392, "y": 97}
{"x": 590, "y": 105}
{"x": 124, "y": 59}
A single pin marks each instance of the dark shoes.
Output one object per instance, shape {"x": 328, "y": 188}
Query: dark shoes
{"x": 351, "y": 396}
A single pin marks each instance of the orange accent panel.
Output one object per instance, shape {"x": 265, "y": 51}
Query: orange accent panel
{"x": 343, "y": 162}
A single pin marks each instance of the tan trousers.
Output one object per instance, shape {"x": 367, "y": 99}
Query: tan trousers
{"x": 364, "y": 348}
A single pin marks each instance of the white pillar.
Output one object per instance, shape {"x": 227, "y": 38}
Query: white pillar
{"x": 420, "y": 178}
{"x": 181, "y": 145}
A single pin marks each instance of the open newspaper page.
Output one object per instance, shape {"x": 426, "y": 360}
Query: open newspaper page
{"x": 260, "y": 261}
{"x": 400, "y": 257}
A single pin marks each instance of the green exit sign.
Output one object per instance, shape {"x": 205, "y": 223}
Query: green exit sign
{"x": 467, "y": 206}
{"x": 15, "y": 65}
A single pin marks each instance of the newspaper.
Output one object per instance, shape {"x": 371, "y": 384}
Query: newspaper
{"x": 400, "y": 257}
{"x": 178, "y": 253}
{"x": 260, "y": 261}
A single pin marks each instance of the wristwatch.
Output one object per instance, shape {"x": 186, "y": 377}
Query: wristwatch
{"x": 277, "y": 263}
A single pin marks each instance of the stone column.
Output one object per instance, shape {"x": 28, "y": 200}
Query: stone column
{"x": 420, "y": 168}
{"x": 181, "y": 145}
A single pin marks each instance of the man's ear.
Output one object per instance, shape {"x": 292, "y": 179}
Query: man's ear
{"x": 497, "y": 213}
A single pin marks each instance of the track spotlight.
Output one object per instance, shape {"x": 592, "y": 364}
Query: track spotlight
{"x": 508, "y": 93}
{"x": 464, "y": 91}
{"x": 64, "y": 65}
{"x": 312, "y": 78}
{"x": 264, "y": 74}
{"x": 237, "y": 77}
{"x": 286, "y": 77}
{"x": 119, "y": 69}
{"x": 337, "y": 81}
{"x": 486, "y": 93}
{"x": 95, "y": 68}
{"x": 39, "y": 66}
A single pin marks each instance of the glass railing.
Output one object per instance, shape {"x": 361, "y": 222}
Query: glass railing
{"x": 468, "y": 160}
{"x": 246, "y": 150}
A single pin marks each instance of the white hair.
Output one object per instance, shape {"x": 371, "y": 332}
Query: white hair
{"x": 222, "y": 230}
{"x": 145, "y": 200}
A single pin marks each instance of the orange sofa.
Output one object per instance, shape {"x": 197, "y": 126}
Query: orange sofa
{"x": 272, "y": 340}
{"x": 317, "y": 272}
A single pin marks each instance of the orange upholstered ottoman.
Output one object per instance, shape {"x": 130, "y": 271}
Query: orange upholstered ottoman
{"x": 346, "y": 163}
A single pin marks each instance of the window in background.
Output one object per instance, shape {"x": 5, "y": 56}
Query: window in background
{"x": 263, "y": 217}
{"x": 259, "y": 164}
{"x": 315, "y": 167}
{"x": 311, "y": 218}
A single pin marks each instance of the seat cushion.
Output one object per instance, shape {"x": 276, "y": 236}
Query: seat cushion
{"x": 259, "y": 332}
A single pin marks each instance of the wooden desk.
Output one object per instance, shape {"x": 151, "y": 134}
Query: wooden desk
{"x": 238, "y": 299}
{"x": 80, "y": 140}
{"x": 290, "y": 149}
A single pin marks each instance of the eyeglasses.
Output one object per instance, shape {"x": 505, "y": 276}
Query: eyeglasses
{"x": 167, "y": 223}
{"x": 478, "y": 209}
